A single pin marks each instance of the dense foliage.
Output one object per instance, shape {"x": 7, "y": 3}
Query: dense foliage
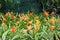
{"x": 29, "y": 26}
{"x": 29, "y": 5}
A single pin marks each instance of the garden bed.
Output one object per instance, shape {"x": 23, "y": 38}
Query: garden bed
{"x": 29, "y": 26}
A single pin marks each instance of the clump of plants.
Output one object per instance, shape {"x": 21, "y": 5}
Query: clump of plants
{"x": 30, "y": 26}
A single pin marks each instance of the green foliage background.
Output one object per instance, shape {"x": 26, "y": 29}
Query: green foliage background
{"x": 28, "y": 5}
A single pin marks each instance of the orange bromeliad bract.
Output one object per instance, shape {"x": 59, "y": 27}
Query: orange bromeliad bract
{"x": 52, "y": 28}
{"x": 53, "y": 21}
{"x": 29, "y": 23}
{"x": 29, "y": 27}
{"x": 18, "y": 16}
{"x": 18, "y": 22}
{"x": 46, "y": 14}
{"x": 14, "y": 18}
{"x": 27, "y": 19}
{"x": 13, "y": 29}
{"x": 23, "y": 18}
{"x": 4, "y": 20}
{"x": 31, "y": 14}
{"x": 7, "y": 15}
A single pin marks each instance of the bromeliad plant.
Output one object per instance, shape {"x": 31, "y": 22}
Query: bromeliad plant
{"x": 29, "y": 26}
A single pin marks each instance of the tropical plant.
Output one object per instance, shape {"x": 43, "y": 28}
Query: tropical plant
{"x": 29, "y": 26}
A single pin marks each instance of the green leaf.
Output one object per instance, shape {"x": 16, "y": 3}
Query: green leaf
{"x": 36, "y": 37}
{"x": 4, "y": 35}
{"x": 16, "y": 36}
